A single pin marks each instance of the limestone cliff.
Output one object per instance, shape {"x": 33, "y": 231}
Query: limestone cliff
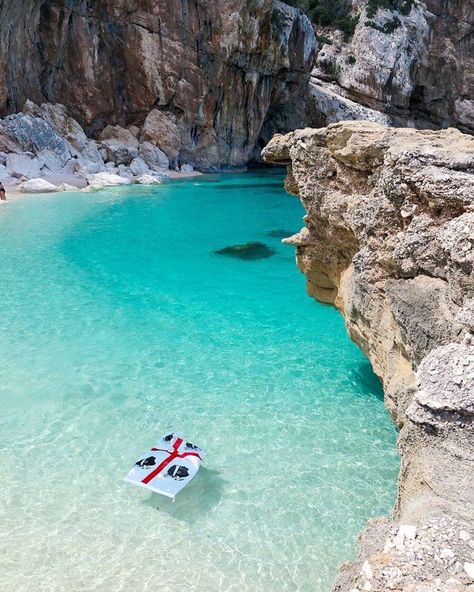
{"x": 205, "y": 80}
{"x": 389, "y": 239}
{"x": 408, "y": 62}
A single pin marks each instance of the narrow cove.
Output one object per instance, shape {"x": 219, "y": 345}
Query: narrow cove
{"x": 120, "y": 320}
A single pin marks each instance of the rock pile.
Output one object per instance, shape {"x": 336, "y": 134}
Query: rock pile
{"x": 43, "y": 147}
{"x": 435, "y": 557}
{"x": 207, "y": 82}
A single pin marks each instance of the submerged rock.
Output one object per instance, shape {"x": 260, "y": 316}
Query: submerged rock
{"x": 247, "y": 251}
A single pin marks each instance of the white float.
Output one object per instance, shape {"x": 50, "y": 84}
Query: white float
{"x": 167, "y": 467}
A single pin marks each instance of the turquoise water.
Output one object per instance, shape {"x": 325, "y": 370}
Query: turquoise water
{"x": 119, "y": 323}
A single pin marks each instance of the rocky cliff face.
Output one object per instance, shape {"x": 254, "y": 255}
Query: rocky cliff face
{"x": 205, "y": 80}
{"x": 389, "y": 239}
{"x": 413, "y": 67}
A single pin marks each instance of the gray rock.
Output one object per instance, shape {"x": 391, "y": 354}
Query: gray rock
{"x": 124, "y": 171}
{"x": 120, "y": 154}
{"x": 139, "y": 167}
{"x": 23, "y": 165}
{"x": 115, "y": 134}
{"x": 35, "y": 135}
{"x": 155, "y": 158}
{"x": 38, "y": 186}
{"x": 80, "y": 146}
{"x": 424, "y": 312}
{"x": 446, "y": 380}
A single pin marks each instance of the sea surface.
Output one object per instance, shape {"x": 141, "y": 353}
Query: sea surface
{"x": 119, "y": 322}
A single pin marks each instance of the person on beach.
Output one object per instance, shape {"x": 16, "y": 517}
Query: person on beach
{"x": 3, "y": 197}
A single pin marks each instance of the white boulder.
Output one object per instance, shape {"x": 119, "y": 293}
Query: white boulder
{"x": 23, "y": 165}
{"x": 469, "y": 569}
{"x": 186, "y": 168}
{"x": 4, "y": 174}
{"x": 38, "y": 186}
{"x": 150, "y": 180}
{"x": 100, "y": 180}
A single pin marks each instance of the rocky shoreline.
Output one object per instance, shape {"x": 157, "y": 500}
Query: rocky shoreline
{"x": 44, "y": 149}
{"x": 389, "y": 240}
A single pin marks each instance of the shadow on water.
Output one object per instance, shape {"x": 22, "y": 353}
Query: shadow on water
{"x": 280, "y": 233}
{"x": 200, "y": 497}
{"x": 363, "y": 376}
{"x": 246, "y": 186}
{"x": 247, "y": 251}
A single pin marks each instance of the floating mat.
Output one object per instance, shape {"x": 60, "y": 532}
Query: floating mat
{"x": 168, "y": 467}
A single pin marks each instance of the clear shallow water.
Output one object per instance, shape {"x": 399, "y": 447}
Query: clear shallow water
{"x": 118, "y": 323}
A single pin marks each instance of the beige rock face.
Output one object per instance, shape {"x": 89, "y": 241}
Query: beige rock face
{"x": 389, "y": 240}
{"x": 210, "y": 79}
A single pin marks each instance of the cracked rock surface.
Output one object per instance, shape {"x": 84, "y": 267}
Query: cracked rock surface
{"x": 205, "y": 81}
{"x": 389, "y": 240}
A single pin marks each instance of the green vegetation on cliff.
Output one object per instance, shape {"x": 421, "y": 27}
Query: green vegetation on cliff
{"x": 329, "y": 13}
{"x": 337, "y": 13}
{"x": 401, "y": 6}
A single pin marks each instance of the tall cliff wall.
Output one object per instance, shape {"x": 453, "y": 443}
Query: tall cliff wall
{"x": 208, "y": 79}
{"x": 389, "y": 240}
{"x": 408, "y": 63}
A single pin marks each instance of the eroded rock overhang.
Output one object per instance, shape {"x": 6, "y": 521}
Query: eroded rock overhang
{"x": 389, "y": 240}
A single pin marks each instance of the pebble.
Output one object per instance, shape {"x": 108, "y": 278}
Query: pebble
{"x": 464, "y": 535}
{"x": 469, "y": 569}
{"x": 367, "y": 570}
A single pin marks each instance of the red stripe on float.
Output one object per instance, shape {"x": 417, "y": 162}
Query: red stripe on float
{"x": 167, "y": 461}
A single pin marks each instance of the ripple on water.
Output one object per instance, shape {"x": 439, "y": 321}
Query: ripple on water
{"x": 117, "y": 324}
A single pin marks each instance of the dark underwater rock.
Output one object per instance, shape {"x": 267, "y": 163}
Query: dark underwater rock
{"x": 248, "y": 251}
{"x": 280, "y": 233}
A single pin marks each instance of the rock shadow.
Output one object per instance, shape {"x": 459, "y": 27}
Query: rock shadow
{"x": 250, "y": 251}
{"x": 280, "y": 233}
{"x": 200, "y": 497}
{"x": 366, "y": 378}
